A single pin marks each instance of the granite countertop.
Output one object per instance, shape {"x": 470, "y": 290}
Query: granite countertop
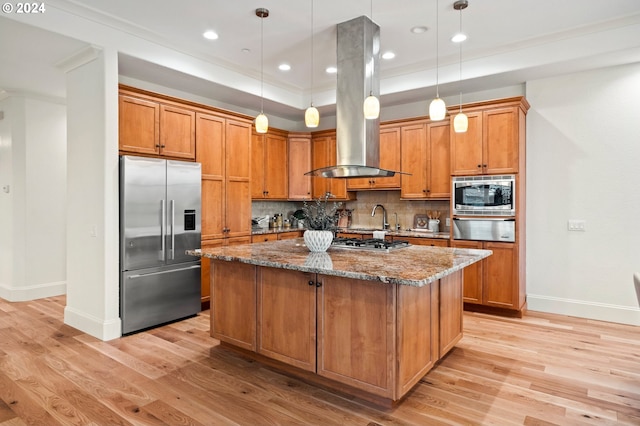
{"x": 399, "y": 233}
{"x": 413, "y": 265}
{"x": 262, "y": 231}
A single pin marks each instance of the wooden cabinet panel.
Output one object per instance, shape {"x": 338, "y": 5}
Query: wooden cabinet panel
{"x": 139, "y": 121}
{"x": 233, "y": 304}
{"x": 413, "y": 161}
{"x": 323, "y": 154}
{"x": 263, "y": 238}
{"x": 287, "y": 331}
{"x": 451, "y": 308}
{"x": 500, "y": 134}
{"x": 426, "y": 157}
{"x": 213, "y": 209}
{"x": 238, "y": 212}
{"x": 501, "y": 275}
{"x": 289, "y": 235}
{"x": 257, "y": 166}
{"x": 472, "y": 288}
{"x": 389, "y": 160}
{"x": 269, "y": 166}
{"x": 210, "y": 138}
{"x": 356, "y": 334}
{"x": 205, "y": 270}
{"x": 438, "y": 166}
{"x": 417, "y": 334}
{"x": 237, "y": 182}
{"x": 466, "y": 148}
{"x": 177, "y": 132}
{"x": 299, "y": 164}
{"x": 418, "y": 241}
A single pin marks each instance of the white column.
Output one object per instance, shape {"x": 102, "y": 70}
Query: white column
{"x": 92, "y": 207}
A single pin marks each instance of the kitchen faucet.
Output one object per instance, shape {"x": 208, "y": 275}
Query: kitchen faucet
{"x": 385, "y": 225}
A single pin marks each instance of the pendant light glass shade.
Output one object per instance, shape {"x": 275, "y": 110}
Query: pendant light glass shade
{"x": 311, "y": 117}
{"x": 437, "y": 109}
{"x": 460, "y": 122}
{"x": 371, "y": 107}
{"x": 262, "y": 123}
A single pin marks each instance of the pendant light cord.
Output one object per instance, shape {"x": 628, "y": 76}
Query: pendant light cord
{"x": 311, "y": 52}
{"x": 262, "y": 64}
{"x": 460, "y": 71}
{"x": 372, "y": 59}
{"x": 437, "y": 50}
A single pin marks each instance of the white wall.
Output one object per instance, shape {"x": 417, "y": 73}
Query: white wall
{"x": 583, "y": 159}
{"x": 32, "y": 213}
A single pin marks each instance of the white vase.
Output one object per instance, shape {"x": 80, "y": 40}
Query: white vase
{"x": 317, "y": 241}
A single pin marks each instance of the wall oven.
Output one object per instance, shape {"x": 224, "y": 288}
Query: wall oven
{"x": 484, "y": 229}
{"x": 484, "y": 195}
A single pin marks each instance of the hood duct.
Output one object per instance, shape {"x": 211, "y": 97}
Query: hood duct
{"x": 358, "y": 139}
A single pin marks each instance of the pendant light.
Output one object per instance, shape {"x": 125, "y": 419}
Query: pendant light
{"x": 311, "y": 115}
{"x": 371, "y": 106}
{"x": 262, "y": 122}
{"x": 460, "y": 121}
{"x": 437, "y": 108}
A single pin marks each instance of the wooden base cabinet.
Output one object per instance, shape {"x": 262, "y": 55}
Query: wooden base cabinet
{"x": 356, "y": 336}
{"x": 494, "y": 281}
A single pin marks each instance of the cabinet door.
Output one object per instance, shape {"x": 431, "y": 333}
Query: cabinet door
{"x": 501, "y": 275}
{"x": 299, "y": 164}
{"x": 258, "y": 190}
{"x": 439, "y": 163}
{"x": 275, "y": 167}
{"x": 210, "y": 138}
{"x": 238, "y": 172}
{"x": 500, "y": 134}
{"x": 338, "y": 187}
{"x": 263, "y": 238}
{"x": 466, "y": 148}
{"x": 177, "y": 132}
{"x": 473, "y": 274}
{"x": 413, "y": 145}
{"x": 418, "y": 241}
{"x": 287, "y": 317}
{"x": 233, "y": 304}
{"x": 319, "y": 150}
{"x": 356, "y": 338}
{"x": 138, "y": 129}
{"x": 389, "y": 157}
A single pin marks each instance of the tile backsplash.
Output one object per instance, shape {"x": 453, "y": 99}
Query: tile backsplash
{"x": 361, "y": 209}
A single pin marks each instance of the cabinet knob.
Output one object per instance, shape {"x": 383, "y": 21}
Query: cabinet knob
{"x": 424, "y": 190}
{"x": 318, "y": 283}
{"x": 157, "y": 146}
{"x": 312, "y": 282}
{"x": 484, "y": 165}
{"x": 479, "y": 165}
{"x": 162, "y": 146}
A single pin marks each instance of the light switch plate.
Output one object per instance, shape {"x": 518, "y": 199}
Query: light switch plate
{"x": 577, "y": 225}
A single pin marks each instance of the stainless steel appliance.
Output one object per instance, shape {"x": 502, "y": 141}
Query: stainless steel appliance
{"x": 159, "y": 220}
{"x": 373, "y": 244}
{"x": 485, "y": 229}
{"x": 484, "y": 195}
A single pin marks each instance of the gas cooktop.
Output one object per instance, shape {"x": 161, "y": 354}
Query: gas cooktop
{"x": 372, "y": 244}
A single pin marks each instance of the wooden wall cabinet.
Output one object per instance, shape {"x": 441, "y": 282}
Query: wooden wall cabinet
{"x": 149, "y": 127}
{"x": 323, "y": 154}
{"x": 269, "y": 177}
{"x": 493, "y": 281}
{"x": 425, "y": 156}
{"x": 299, "y": 146}
{"x": 389, "y": 160}
{"x": 492, "y": 143}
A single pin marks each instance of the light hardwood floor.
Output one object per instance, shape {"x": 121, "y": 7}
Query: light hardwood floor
{"x": 539, "y": 370}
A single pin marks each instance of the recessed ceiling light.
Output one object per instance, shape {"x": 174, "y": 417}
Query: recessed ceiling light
{"x": 459, "y": 38}
{"x": 419, "y": 30}
{"x": 284, "y": 67}
{"x": 388, "y": 55}
{"x": 331, "y": 70}
{"x": 210, "y": 35}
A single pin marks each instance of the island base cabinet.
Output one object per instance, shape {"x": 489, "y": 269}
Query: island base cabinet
{"x": 356, "y": 339}
{"x": 233, "y": 308}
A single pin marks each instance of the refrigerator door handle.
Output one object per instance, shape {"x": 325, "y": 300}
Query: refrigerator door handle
{"x": 173, "y": 224}
{"x": 163, "y": 215}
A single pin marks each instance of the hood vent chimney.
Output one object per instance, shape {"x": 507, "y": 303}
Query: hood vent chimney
{"x": 358, "y": 139}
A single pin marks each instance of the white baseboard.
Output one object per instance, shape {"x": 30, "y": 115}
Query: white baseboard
{"x": 103, "y": 330}
{"x": 32, "y": 292}
{"x": 584, "y": 309}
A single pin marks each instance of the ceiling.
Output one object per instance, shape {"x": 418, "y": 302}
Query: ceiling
{"x": 509, "y": 42}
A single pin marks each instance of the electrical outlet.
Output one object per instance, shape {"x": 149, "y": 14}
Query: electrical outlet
{"x": 447, "y": 222}
{"x": 577, "y": 225}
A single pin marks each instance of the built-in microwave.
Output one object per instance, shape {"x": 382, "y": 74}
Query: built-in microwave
{"x": 484, "y": 195}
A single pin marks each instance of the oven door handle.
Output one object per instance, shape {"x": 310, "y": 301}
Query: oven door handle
{"x": 503, "y": 219}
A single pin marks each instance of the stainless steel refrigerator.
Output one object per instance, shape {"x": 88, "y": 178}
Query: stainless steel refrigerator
{"x": 159, "y": 220}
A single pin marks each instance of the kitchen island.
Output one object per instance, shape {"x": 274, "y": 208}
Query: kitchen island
{"x": 369, "y": 324}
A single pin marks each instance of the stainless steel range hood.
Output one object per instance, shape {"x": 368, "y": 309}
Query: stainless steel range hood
{"x": 358, "y": 139}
